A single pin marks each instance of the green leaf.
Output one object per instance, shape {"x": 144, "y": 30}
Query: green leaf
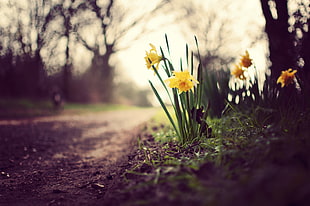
{"x": 164, "y": 107}
{"x": 167, "y": 43}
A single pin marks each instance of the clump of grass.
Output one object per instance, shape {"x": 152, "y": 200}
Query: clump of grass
{"x": 27, "y": 108}
{"x": 239, "y": 156}
{"x": 88, "y": 108}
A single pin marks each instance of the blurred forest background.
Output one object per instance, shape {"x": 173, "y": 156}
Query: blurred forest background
{"x": 70, "y": 47}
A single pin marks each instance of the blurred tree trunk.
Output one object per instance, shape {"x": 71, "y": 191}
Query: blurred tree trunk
{"x": 289, "y": 44}
{"x": 281, "y": 41}
{"x": 100, "y": 62}
{"x": 101, "y": 75}
{"x": 107, "y": 74}
{"x": 67, "y": 73}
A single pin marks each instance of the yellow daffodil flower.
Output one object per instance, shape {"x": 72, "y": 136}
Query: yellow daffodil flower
{"x": 238, "y": 72}
{"x": 245, "y": 60}
{"x": 152, "y": 58}
{"x": 286, "y": 77}
{"x": 182, "y": 80}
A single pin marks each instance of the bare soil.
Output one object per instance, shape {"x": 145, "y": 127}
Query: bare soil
{"x": 66, "y": 160}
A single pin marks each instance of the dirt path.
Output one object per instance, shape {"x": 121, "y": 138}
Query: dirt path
{"x": 65, "y": 160}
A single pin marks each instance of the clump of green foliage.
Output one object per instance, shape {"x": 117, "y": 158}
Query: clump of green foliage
{"x": 185, "y": 93}
{"x": 240, "y": 162}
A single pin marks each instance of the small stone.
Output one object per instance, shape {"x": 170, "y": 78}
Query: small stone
{"x": 4, "y": 174}
{"x": 97, "y": 186}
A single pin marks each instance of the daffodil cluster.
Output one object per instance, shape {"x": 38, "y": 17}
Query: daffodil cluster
{"x": 185, "y": 95}
{"x": 182, "y": 80}
{"x": 241, "y": 67}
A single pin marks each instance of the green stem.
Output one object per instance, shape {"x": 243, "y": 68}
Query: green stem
{"x": 163, "y": 83}
{"x": 192, "y": 121}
